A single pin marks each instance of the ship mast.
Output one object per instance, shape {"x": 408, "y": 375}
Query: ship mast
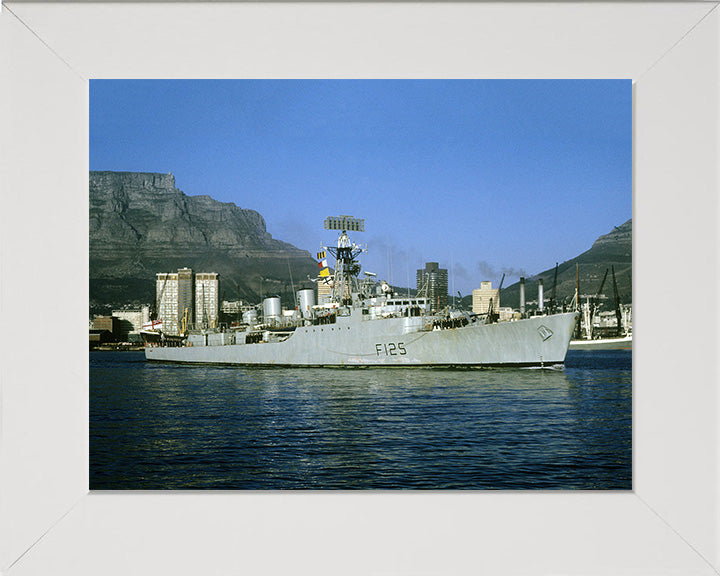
{"x": 347, "y": 267}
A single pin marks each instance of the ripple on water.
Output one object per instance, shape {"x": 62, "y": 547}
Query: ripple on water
{"x": 164, "y": 426}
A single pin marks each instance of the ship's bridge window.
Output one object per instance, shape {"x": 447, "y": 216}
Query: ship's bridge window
{"x": 405, "y": 302}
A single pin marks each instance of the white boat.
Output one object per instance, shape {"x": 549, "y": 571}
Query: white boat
{"x": 587, "y": 328}
{"x": 620, "y": 343}
{"x": 366, "y": 324}
{"x": 151, "y": 332}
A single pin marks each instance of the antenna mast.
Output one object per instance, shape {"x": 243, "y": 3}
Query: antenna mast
{"x": 346, "y": 266}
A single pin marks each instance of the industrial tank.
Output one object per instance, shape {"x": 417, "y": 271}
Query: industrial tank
{"x": 272, "y": 310}
{"x": 306, "y": 298}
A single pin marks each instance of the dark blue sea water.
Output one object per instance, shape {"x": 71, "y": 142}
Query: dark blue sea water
{"x": 164, "y": 426}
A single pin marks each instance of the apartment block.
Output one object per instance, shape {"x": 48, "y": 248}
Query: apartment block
{"x": 207, "y": 298}
{"x": 186, "y": 300}
{"x": 432, "y": 282}
{"x": 485, "y": 297}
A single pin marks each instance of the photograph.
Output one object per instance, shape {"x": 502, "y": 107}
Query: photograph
{"x": 360, "y": 284}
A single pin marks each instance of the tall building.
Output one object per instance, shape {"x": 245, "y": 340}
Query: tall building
{"x": 186, "y": 297}
{"x": 432, "y": 282}
{"x": 166, "y": 301}
{"x": 206, "y": 299}
{"x": 185, "y": 300}
{"x": 481, "y": 298}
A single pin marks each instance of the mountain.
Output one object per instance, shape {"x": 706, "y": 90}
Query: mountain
{"x": 613, "y": 249}
{"x": 141, "y": 224}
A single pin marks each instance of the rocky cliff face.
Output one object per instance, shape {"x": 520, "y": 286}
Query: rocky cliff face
{"x": 141, "y": 224}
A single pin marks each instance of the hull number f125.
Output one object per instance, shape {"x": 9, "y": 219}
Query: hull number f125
{"x": 391, "y": 349}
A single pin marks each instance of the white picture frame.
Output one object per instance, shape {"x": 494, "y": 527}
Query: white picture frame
{"x": 50, "y": 523}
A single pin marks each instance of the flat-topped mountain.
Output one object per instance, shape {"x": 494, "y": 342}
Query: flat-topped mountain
{"x": 141, "y": 224}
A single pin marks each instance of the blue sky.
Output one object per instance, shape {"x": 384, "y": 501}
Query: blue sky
{"x": 482, "y": 176}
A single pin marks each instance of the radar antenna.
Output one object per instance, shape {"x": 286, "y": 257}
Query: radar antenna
{"x": 347, "y": 267}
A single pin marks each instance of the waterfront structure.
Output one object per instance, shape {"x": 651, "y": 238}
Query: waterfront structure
{"x": 186, "y": 297}
{"x": 132, "y": 320}
{"x": 486, "y": 299}
{"x": 231, "y": 307}
{"x": 109, "y": 323}
{"x": 206, "y": 299}
{"x": 432, "y": 282}
{"x": 183, "y": 297}
{"x": 505, "y": 314}
{"x": 166, "y": 287}
{"x": 99, "y": 337}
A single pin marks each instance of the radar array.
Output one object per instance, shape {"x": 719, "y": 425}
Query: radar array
{"x": 347, "y": 267}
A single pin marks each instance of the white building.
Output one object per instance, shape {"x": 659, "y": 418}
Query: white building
{"x": 185, "y": 300}
{"x": 131, "y": 321}
{"x": 231, "y": 306}
{"x": 482, "y": 296}
{"x": 207, "y": 298}
{"x": 166, "y": 290}
{"x": 506, "y": 314}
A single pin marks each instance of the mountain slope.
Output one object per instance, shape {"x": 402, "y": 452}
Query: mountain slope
{"x": 141, "y": 224}
{"x": 610, "y": 250}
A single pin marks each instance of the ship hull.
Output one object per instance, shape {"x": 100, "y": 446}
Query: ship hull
{"x": 624, "y": 343}
{"x": 355, "y": 341}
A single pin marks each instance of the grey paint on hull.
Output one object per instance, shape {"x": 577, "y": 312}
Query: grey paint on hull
{"x": 355, "y": 340}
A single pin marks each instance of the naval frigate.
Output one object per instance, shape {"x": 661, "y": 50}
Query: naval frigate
{"x": 362, "y": 322}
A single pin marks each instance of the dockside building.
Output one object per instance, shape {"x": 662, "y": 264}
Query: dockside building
{"x": 206, "y": 299}
{"x": 185, "y": 300}
{"x": 432, "y": 282}
{"x": 485, "y": 299}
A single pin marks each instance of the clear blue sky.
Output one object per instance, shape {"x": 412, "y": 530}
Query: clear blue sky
{"x": 482, "y": 176}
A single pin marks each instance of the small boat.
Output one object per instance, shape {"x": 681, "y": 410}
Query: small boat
{"x": 151, "y": 332}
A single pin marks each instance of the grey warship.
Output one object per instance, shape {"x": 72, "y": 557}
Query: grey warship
{"x": 364, "y": 323}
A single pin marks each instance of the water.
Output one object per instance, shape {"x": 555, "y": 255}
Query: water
{"x": 164, "y": 426}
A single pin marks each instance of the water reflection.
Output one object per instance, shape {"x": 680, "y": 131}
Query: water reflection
{"x": 166, "y": 426}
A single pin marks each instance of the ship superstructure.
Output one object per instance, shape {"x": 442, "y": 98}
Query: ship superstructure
{"x": 364, "y": 323}
{"x": 591, "y": 334}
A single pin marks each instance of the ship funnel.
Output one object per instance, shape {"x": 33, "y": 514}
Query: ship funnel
{"x": 540, "y": 295}
{"x": 272, "y": 309}
{"x": 522, "y": 296}
{"x": 307, "y": 301}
